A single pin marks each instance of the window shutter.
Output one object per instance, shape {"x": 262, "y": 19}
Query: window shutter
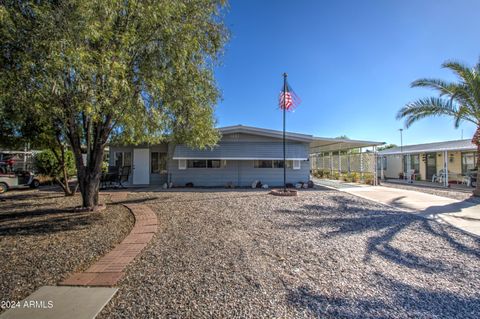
{"x": 182, "y": 164}
{"x": 296, "y": 164}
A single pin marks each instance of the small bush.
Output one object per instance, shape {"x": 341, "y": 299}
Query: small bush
{"x": 47, "y": 164}
{"x": 368, "y": 178}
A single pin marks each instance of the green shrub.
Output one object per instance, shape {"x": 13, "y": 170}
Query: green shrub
{"x": 321, "y": 173}
{"x": 354, "y": 177}
{"x": 47, "y": 164}
{"x": 368, "y": 178}
{"x": 105, "y": 167}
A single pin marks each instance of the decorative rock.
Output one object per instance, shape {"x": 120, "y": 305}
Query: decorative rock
{"x": 254, "y": 184}
{"x": 304, "y": 185}
{"x": 298, "y": 186}
{"x": 170, "y": 185}
{"x": 265, "y": 186}
{"x": 164, "y": 186}
{"x": 310, "y": 184}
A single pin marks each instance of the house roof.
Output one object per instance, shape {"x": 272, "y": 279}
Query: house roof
{"x": 244, "y": 151}
{"x": 317, "y": 144}
{"x": 457, "y": 145}
{"x": 266, "y": 132}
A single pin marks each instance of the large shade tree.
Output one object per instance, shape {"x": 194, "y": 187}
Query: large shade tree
{"x": 459, "y": 100}
{"x": 131, "y": 70}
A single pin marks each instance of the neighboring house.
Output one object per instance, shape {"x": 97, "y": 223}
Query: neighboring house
{"x": 244, "y": 154}
{"x": 428, "y": 160}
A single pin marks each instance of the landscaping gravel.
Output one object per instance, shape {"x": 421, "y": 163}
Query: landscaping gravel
{"x": 42, "y": 239}
{"x": 450, "y": 193}
{"x": 323, "y": 254}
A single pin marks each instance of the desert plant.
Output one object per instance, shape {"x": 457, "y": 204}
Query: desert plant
{"x": 459, "y": 100}
{"x": 368, "y": 178}
{"x": 59, "y": 167}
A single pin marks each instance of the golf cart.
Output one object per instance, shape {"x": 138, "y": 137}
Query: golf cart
{"x": 17, "y": 180}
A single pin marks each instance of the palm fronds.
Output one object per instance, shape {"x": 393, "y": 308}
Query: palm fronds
{"x": 459, "y": 100}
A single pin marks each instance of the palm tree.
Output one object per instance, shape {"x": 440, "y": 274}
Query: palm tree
{"x": 459, "y": 100}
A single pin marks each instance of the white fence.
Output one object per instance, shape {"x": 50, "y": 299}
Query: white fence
{"x": 344, "y": 163}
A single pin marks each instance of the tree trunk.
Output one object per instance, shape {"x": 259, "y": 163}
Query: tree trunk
{"x": 476, "y": 192}
{"x": 476, "y": 141}
{"x": 62, "y": 163}
{"x": 66, "y": 187}
{"x": 89, "y": 173}
{"x": 89, "y": 187}
{"x": 89, "y": 179}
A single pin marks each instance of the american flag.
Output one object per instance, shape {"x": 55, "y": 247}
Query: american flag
{"x": 288, "y": 99}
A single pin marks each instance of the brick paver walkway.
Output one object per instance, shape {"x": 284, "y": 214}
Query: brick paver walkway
{"x": 110, "y": 268}
{"x": 115, "y": 196}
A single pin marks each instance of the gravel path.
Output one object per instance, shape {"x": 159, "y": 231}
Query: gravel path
{"x": 42, "y": 239}
{"x": 324, "y": 254}
{"x": 450, "y": 193}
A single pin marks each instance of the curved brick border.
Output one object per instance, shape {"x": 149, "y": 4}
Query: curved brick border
{"x": 109, "y": 269}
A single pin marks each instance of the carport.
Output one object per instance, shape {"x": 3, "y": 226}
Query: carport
{"x": 344, "y": 156}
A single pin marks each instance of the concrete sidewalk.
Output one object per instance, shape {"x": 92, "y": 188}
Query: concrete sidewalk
{"x": 462, "y": 214}
{"x": 61, "y": 303}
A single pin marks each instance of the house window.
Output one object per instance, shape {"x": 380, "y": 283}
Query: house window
{"x": 158, "y": 163}
{"x": 469, "y": 161}
{"x": 123, "y": 159}
{"x": 271, "y": 164}
{"x": 296, "y": 164}
{"x": 206, "y": 163}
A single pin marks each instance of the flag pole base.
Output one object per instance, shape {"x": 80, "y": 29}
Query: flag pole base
{"x": 281, "y": 192}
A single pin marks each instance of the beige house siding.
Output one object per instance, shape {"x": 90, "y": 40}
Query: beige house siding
{"x": 423, "y": 166}
{"x": 394, "y": 165}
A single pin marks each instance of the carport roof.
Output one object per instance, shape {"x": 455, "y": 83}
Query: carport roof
{"x": 324, "y": 144}
{"x": 317, "y": 144}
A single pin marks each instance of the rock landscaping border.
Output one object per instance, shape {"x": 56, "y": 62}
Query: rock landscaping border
{"x": 109, "y": 269}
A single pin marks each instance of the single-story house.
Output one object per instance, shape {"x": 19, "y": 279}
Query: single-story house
{"x": 430, "y": 160}
{"x": 244, "y": 154}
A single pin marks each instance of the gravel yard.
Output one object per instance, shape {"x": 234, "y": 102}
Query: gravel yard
{"x": 324, "y": 254}
{"x": 42, "y": 239}
{"x": 450, "y": 192}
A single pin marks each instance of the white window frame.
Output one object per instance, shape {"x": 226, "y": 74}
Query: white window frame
{"x": 289, "y": 164}
{"x": 223, "y": 164}
{"x": 182, "y": 164}
{"x": 296, "y": 164}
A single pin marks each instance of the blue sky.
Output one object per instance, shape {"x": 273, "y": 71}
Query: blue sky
{"x": 351, "y": 62}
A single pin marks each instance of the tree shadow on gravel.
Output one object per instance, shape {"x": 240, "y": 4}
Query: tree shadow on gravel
{"x": 20, "y": 206}
{"x": 143, "y": 200}
{"x": 349, "y": 218}
{"x": 29, "y": 195}
{"x": 400, "y": 300}
{"x": 41, "y": 221}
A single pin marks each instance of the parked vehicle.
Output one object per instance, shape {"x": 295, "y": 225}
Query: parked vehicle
{"x": 17, "y": 180}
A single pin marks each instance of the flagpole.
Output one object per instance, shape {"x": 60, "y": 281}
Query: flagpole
{"x": 284, "y": 110}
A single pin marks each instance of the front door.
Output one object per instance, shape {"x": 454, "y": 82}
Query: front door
{"x": 141, "y": 170}
{"x": 431, "y": 165}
